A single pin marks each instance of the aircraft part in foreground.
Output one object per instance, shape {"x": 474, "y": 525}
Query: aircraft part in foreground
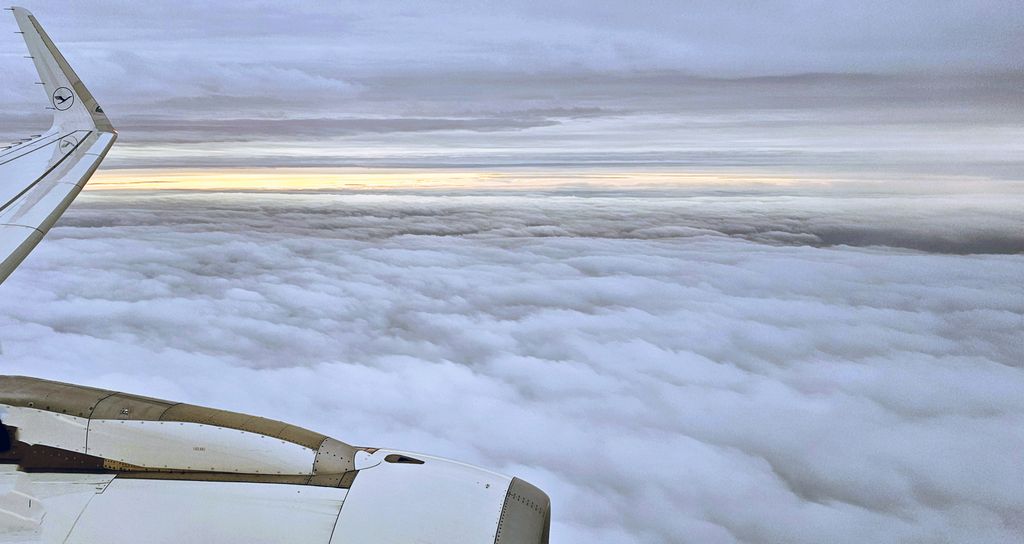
{"x": 89, "y": 465}
{"x": 83, "y": 465}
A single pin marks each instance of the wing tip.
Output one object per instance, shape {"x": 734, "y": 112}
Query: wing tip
{"x": 57, "y": 75}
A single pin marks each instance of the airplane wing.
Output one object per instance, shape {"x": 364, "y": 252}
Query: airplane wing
{"x": 40, "y": 176}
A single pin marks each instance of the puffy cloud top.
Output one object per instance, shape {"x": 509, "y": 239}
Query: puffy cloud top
{"x": 670, "y": 368}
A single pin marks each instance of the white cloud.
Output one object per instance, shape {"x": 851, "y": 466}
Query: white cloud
{"x": 668, "y": 369}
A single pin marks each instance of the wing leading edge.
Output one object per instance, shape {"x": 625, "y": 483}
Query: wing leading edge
{"x": 41, "y": 176}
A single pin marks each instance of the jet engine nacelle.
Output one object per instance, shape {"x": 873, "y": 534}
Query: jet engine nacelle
{"x": 123, "y": 468}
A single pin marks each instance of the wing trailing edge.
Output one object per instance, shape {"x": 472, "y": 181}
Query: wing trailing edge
{"x": 40, "y": 176}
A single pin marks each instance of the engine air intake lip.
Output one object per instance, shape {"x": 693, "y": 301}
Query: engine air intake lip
{"x": 396, "y": 458}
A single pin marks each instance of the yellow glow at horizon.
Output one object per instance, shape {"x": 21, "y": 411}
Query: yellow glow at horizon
{"x": 285, "y": 179}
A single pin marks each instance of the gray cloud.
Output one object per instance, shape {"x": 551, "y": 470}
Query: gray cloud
{"x": 734, "y": 38}
{"x": 698, "y": 367}
{"x": 986, "y": 221}
{"x": 914, "y": 88}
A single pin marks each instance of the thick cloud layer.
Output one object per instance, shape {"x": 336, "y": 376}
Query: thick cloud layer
{"x": 670, "y": 368}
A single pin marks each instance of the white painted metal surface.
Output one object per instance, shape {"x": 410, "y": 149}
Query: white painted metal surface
{"x": 42, "y": 176}
{"x": 35, "y": 206}
{"x": 61, "y": 498}
{"x": 159, "y": 444}
{"x": 37, "y": 426}
{"x": 365, "y": 459}
{"x": 173, "y": 512}
{"x": 437, "y": 502}
{"x": 73, "y": 106}
{"x": 194, "y": 446}
{"x": 20, "y": 511}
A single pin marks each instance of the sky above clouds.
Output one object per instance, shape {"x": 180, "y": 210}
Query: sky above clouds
{"x": 906, "y": 88}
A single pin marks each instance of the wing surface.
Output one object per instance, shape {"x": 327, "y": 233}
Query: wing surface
{"x": 40, "y": 176}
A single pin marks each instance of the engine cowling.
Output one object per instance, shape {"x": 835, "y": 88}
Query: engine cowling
{"x": 147, "y": 454}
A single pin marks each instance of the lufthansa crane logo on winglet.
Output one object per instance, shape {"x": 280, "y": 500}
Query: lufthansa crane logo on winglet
{"x": 66, "y": 144}
{"x": 63, "y": 98}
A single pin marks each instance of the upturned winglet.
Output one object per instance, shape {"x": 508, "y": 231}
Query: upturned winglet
{"x": 73, "y": 105}
{"x": 41, "y": 175}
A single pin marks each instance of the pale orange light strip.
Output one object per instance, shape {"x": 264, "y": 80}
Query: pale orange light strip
{"x": 278, "y": 179}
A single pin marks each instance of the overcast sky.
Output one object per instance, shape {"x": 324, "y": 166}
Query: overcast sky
{"x": 745, "y": 353}
{"x": 912, "y": 86}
